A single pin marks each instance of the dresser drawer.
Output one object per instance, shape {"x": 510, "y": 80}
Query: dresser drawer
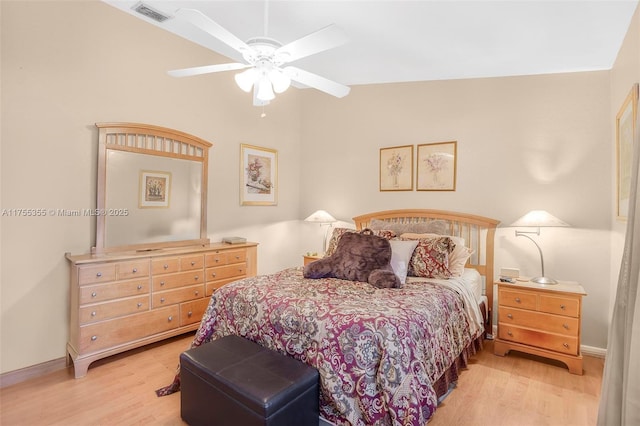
{"x": 114, "y": 290}
{"x": 226, "y": 257}
{"x": 170, "y": 297}
{"x": 559, "y": 305}
{"x": 518, "y": 299}
{"x": 538, "y": 320}
{"x": 228, "y": 271}
{"x": 165, "y": 265}
{"x": 96, "y": 274}
{"x": 182, "y": 279}
{"x": 192, "y": 312}
{"x": 554, "y": 342}
{"x": 109, "y": 310}
{"x": 133, "y": 269}
{"x": 214, "y": 285}
{"x": 122, "y": 330}
{"x": 192, "y": 262}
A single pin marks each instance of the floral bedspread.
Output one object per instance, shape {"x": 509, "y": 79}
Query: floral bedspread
{"x": 377, "y": 350}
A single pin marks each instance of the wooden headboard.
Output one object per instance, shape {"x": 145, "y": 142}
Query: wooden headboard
{"x": 477, "y": 231}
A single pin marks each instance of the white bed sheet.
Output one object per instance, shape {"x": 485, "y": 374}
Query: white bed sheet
{"x": 469, "y": 286}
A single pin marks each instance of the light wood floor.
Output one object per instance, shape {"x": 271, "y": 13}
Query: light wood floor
{"x": 516, "y": 390}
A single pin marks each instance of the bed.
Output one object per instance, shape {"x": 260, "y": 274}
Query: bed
{"x": 385, "y": 355}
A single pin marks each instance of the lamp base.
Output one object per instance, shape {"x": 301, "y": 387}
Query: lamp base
{"x": 543, "y": 280}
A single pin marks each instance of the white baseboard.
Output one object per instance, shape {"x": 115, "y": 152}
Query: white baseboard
{"x": 18, "y": 376}
{"x": 593, "y": 351}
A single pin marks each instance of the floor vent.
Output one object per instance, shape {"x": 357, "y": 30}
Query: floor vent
{"x": 150, "y": 12}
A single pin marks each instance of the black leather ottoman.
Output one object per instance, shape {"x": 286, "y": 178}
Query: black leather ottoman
{"x": 234, "y": 381}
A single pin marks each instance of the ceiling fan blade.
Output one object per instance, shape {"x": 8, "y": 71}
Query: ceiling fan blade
{"x": 324, "y": 39}
{"x": 188, "y": 72}
{"x": 206, "y": 24}
{"x": 317, "y": 82}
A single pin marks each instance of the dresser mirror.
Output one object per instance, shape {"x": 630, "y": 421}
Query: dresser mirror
{"x": 152, "y": 188}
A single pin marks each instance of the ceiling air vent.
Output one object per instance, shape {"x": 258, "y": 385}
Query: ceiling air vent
{"x": 150, "y": 12}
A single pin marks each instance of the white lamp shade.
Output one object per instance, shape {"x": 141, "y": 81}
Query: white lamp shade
{"x": 280, "y": 81}
{"x": 264, "y": 89}
{"x": 539, "y": 218}
{"x": 245, "y": 79}
{"x": 320, "y": 216}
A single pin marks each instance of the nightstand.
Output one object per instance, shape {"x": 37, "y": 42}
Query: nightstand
{"x": 541, "y": 320}
{"x": 310, "y": 258}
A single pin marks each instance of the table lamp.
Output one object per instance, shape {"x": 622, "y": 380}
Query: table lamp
{"x": 323, "y": 218}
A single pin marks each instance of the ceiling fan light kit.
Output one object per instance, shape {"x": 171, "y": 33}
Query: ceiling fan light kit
{"x": 264, "y": 58}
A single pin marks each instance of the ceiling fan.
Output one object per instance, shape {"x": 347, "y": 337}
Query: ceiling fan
{"x": 265, "y": 58}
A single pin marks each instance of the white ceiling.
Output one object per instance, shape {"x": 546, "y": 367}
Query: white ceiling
{"x": 396, "y": 41}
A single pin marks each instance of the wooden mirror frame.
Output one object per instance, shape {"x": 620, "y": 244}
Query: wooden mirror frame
{"x": 151, "y": 140}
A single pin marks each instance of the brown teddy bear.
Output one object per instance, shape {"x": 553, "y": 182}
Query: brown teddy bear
{"x": 358, "y": 257}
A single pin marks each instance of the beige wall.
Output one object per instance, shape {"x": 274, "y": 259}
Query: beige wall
{"x": 67, "y": 65}
{"x": 523, "y": 143}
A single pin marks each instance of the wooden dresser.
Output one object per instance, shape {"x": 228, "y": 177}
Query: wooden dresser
{"x": 123, "y": 300}
{"x": 541, "y": 320}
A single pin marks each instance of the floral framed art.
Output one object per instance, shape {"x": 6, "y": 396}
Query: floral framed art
{"x": 437, "y": 166}
{"x": 625, "y": 128}
{"x": 154, "y": 189}
{"x": 396, "y": 168}
{"x": 258, "y": 176}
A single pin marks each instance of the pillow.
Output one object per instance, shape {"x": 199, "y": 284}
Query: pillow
{"x": 435, "y": 226}
{"x": 338, "y": 232}
{"x": 457, "y": 258}
{"x": 357, "y": 257}
{"x": 401, "y": 252}
{"x": 431, "y": 257}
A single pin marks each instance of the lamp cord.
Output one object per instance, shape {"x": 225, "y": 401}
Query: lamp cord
{"x": 524, "y": 234}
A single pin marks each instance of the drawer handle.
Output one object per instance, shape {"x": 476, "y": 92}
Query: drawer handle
{"x": 196, "y": 278}
{"x": 139, "y": 287}
{"x": 509, "y": 333}
{"x": 509, "y": 316}
{"x": 93, "y": 314}
{"x": 240, "y": 270}
{"x": 196, "y": 292}
{"x": 563, "y": 307}
{"x": 94, "y": 294}
{"x": 162, "y": 300}
{"x": 94, "y": 338}
{"x": 193, "y": 263}
{"x": 170, "y": 318}
{"x": 165, "y": 266}
{"x": 217, "y": 260}
{"x": 189, "y": 314}
{"x": 135, "y": 270}
{"x": 139, "y": 304}
{"x": 213, "y": 274}
{"x": 237, "y": 257}
{"x": 565, "y": 326}
{"x": 566, "y": 345}
{"x": 161, "y": 283}
{"x": 517, "y": 300}
{"x": 99, "y": 274}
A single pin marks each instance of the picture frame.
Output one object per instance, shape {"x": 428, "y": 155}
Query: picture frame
{"x": 396, "y": 168}
{"x": 258, "y": 176}
{"x": 625, "y": 129}
{"x": 154, "y": 189}
{"x": 436, "y": 170}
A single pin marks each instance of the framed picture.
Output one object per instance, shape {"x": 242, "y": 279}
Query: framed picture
{"x": 396, "y": 168}
{"x": 258, "y": 176}
{"x": 437, "y": 166}
{"x": 625, "y": 128}
{"x": 154, "y": 189}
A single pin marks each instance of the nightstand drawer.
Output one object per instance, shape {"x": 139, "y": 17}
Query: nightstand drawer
{"x": 554, "y": 342}
{"x": 559, "y": 305}
{"x": 539, "y": 321}
{"x": 518, "y": 299}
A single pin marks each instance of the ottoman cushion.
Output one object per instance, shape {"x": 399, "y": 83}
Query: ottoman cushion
{"x": 235, "y": 381}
